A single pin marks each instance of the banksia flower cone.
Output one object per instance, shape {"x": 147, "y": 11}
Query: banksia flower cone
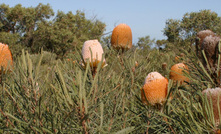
{"x": 154, "y": 89}
{"x": 177, "y": 73}
{"x": 121, "y": 37}
{"x": 93, "y": 51}
{"x": 201, "y": 35}
{"x": 6, "y": 60}
{"x": 213, "y": 94}
{"x": 210, "y": 47}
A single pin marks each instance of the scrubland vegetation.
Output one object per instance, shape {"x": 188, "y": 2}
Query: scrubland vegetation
{"x": 49, "y": 91}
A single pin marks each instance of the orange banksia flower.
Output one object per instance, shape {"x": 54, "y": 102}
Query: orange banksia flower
{"x": 121, "y": 37}
{"x": 154, "y": 89}
{"x": 177, "y": 73}
{"x": 6, "y": 60}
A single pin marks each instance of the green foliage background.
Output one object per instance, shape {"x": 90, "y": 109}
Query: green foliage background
{"x": 34, "y": 28}
{"x": 50, "y": 92}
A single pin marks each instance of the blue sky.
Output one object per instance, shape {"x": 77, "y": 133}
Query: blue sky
{"x": 145, "y": 17}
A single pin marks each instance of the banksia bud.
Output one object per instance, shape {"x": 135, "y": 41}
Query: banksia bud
{"x": 164, "y": 66}
{"x": 6, "y": 60}
{"x": 182, "y": 54}
{"x": 213, "y": 94}
{"x": 210, "y": 47}
{"x": 136, "y": 64}
{"x": 200, "y": 37}
{"x": 121, "y": 37}
{"x": 177, "y": 73}
{"x": 134, "y": 67}
{"x": 179, "y": 58}
{"x": 93, "y": 51}
{"x": 154, "y": 89}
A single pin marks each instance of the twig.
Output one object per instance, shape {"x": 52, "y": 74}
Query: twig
{"x": 16, "y": 105}
{"x": 109, "y": 91}
{"x": 169, "y": 125}
{"x": 82, "y": 118}
{"x": 112, "y": 118}
{"x": 148, "y": 123}
{"x": 7, "y": 118}
{"x": 125, "y": 120}
{"x": 19, "y": 111}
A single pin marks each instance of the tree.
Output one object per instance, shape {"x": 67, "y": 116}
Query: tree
{"x": 68, "y": 31}
{"x": 196, "y": 21}
{"x": 160, "y": 43}
{"x": 172, "y": 30}
{"x": 35, "y": 27}
{"x": 106, "y": 41}
{"x": 145, "y": 42}
{"x": 18, "y": 24}
{"x": 180, "y": 32}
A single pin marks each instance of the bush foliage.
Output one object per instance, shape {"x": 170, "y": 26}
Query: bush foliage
{"x": 49, "y": 91}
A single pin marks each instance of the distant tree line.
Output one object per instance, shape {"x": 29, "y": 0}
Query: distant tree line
{"x": 33, "y": 28}
{"x": 181, "y": 33}
{"x": 38, "y": 27}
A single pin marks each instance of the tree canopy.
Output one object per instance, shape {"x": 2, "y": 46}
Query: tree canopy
{"x": 33, "y": 28}
{"x": 183, "y": 32}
